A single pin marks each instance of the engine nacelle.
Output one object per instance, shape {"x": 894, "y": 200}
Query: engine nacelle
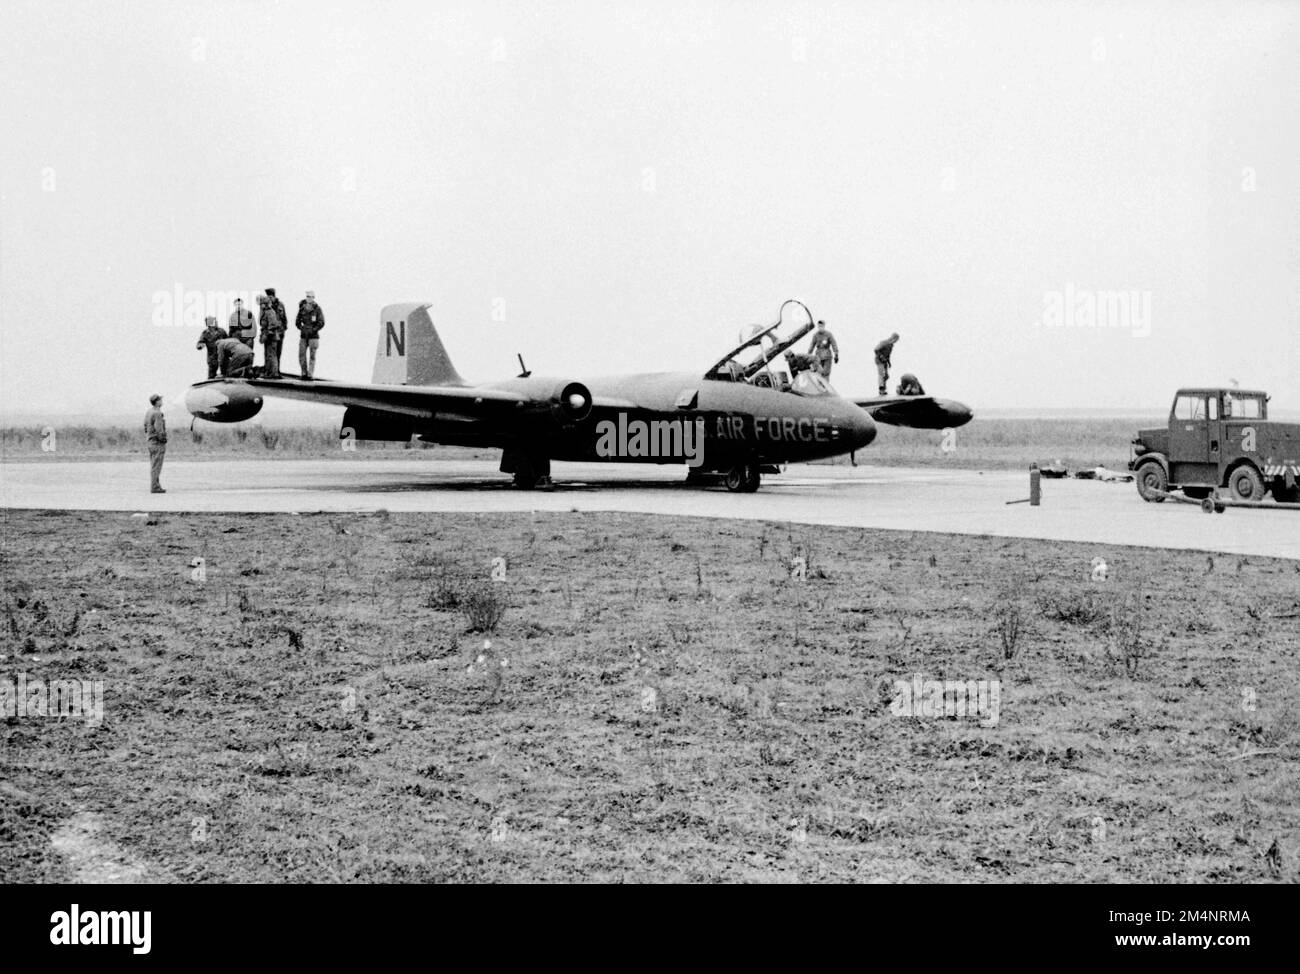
{"x": 571, "y": 403}
{"x": 223, "y": 402}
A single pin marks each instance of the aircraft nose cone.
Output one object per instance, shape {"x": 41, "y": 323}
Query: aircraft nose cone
{"x": 862, "y": 429}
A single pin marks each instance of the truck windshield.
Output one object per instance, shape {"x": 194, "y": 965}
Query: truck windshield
{"x": 1189, "y": 407}
{"x": 1241, "y": 407}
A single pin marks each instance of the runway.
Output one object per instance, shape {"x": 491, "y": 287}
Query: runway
{"x": 906, "y": 499}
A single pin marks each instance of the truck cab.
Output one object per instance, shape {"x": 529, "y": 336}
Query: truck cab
{"x": 1217, "y": 437}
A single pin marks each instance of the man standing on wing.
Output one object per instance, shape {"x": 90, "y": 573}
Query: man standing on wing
{"x": 883, "y": 351}
{"x": 211, "y": 335}
{"x": 311, "y": 319}
{"x": 273, "y": 329}
{"x": 242, "y": 324}
{"x": 824, "y": 349}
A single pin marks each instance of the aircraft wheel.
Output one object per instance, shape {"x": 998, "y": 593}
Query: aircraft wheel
{"x": 1152, "y": 482}
{"x": 531, "y": 472}
{"x": 1246, "y": 484}
{"x": 743, "y": 478}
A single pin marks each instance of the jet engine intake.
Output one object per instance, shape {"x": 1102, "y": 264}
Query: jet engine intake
{"x": 571, "y": 403}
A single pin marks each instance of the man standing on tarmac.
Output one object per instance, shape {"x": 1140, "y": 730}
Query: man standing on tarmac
{"x": 155, "y": 434}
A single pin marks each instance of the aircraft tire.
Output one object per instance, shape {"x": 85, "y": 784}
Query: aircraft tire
{"x": 743, "y": 478}
{"x": 530, "y": 471}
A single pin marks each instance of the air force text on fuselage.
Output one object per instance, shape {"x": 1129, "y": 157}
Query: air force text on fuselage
{"x": 662, "y": 438}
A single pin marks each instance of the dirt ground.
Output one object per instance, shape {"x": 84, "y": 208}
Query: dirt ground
{"x": 662, "y": 700}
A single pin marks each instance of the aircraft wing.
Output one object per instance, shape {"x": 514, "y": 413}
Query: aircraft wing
{"x": 916, "y": 412}
{"x": 418, "y": 401}
{"x": 234, "y": 400}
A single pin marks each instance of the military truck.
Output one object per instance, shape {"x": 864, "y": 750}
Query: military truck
{"x": 1218, "y": 438}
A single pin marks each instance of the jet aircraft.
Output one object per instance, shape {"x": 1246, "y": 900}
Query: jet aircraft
{"x": 737, "y": 420}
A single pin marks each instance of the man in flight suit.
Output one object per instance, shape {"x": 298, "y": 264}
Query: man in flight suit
{"x": 242, "y": 325}
{"x": 311, "y": 319}
{"x": 272, "y": 338}
{"x": 883, "y": 351}
{"x": 824, "y": 349}
{"x": 278, "y": 305}
{"x": 211, "y": 335}
{"x": 155, "y": 434}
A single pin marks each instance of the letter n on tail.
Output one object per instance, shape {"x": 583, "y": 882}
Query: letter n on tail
{"x": 396, "y": 337}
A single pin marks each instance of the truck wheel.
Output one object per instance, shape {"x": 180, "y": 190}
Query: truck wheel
{"x": 1152, "y": 482}
{"x": 1246, "y": 484}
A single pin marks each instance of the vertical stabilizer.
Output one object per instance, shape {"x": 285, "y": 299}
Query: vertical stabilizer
{"x": 410, "y": 351}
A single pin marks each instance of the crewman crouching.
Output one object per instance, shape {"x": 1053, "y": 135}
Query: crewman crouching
{"x": 234, "y": 358}
{"x": 910, "y": 385}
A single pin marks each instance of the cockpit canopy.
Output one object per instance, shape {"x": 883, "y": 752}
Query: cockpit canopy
{"x": 760, "y": 345}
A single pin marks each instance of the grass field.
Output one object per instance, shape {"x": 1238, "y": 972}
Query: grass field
{"x": 991, "y": 444}
{"x": 662, "y": 700}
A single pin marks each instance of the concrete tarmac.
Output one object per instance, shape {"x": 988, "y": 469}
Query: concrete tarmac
{"x": 906, "y": 499}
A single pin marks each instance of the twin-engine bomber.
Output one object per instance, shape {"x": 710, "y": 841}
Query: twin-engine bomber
{"x": 738, "y": 420}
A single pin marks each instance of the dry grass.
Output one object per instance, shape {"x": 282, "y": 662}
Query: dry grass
{"x": 987, "y": 444}
{"x": 662, "y": 701}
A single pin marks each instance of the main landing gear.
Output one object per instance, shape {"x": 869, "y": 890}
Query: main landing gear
{"x": 743, "y": 478}
{"x": 531, "y": 471}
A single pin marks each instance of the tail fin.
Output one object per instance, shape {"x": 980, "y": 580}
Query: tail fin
{"x": 410, "y": 351}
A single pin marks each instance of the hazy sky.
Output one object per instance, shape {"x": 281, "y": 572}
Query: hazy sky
{"x": 613, "y": 186}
